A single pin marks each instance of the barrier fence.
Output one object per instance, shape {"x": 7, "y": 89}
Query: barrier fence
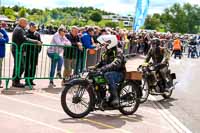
{"x": 7, "y": 63}
{"x": 32, "y": 61}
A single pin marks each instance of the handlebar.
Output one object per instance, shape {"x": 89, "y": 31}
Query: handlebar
{"x": 151, "y": 67}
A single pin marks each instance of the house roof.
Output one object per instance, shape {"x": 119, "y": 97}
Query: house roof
{"x": 6, "y": 19}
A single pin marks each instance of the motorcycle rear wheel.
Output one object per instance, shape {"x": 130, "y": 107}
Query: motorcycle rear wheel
{"x": 131, "y": 93}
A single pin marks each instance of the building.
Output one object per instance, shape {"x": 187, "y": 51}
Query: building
{"x": 6, "y": 19}
{"x": 8, "y": 23}
{"x": 127, "y": 20}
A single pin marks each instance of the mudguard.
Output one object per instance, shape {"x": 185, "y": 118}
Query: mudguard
{"x": 77, "y": 81}
{"x": 173, "y": 76}
{"x": 138, "y": 84}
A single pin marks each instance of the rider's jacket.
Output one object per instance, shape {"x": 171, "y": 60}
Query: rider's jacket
{"x": 112, "y": 60}
{"x": 158, "y": 55}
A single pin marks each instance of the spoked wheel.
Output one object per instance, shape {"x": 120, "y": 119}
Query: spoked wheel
{"x": 129, "y": 98}
{"x": 145, "y": 91}
{"x": 77, "y": 100}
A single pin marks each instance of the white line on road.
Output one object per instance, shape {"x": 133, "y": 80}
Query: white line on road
{"x": 32, "y": 104}
{"x": 180, "y": 127}
{"x": 34, "y": 121}
{"x": 54, "y": 110}
{"x": 148, "y": 123}
{"x": 47, "y": 96}
{"x": 144, "y": 122}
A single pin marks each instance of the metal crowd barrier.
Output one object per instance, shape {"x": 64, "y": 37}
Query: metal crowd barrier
{"x": 36, "y": 63}
{"x": 7, "y": 63}
{"x": 32, "y": 61}
{"x": 130, "y": 49}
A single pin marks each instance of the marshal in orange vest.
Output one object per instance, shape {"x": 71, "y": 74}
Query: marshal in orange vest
{"x": 177, "y": 44}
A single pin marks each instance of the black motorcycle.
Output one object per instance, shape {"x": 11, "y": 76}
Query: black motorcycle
{"x": 153, "y": 83}
{"x": 90, "y": 92}
{"x": 192, "y": 51}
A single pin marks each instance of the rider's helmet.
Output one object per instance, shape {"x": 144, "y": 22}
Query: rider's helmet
{"x": 155, "y": 42}
{"x": 176, "y": 36}
{"x": 108, "y": 41}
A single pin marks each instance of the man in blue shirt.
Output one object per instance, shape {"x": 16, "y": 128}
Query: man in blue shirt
{"x": 87, "y": 39}
{"x": 88, "y": 43}
{"x": 3, "y": 40}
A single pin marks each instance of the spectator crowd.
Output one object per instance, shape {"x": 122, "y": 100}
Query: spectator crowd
{"x": 67, "y": 47}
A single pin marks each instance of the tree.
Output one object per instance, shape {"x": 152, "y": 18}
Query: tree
{"x": 55, "y": 14}
{"x": 152, "y": 22}
{"x": 96, "y": 17}
{"x": 177, "y": 18}
{"x": 16, "y": 8}
{"x": 22, "y": 12}
{"x": 111, "y": 24}
{"x": 9, "y": 13}
{"x": 192, "y": 19}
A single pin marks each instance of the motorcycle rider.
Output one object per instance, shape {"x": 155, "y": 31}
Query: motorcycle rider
{"x": 160, "y": 57}
{"x": 192, "y": 51}
{"x": 112, "y": 65}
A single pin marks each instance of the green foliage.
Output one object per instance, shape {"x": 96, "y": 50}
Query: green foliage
{"x": 16, "y": 8}
{"x": 111, "y": 24}
{"x": 22, "y": 12}
{"x": 152, "y": 22}
{"x": 9, "y": 13}
{"x": 68, "y": 16}
{"x": 177, "y": 18}
{"x": 96, "y": 16}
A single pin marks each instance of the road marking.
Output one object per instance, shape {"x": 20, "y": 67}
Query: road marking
{"x": 174, "y": 122}
{"x": 145, "y": 122}
{"x": 35, "y": 121}
{"x": 47, "y": 96}
{"x": 32, "y": 104}
{"x": 54, "y": 110}
{"x": 164, "y": 114}
{"x": 144, "y": 110}
{"x": 58, "y": 99}
{"x": 106, "y": 125}
{"x": 149, "y": 123}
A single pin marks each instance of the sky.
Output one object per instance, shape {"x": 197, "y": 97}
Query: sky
{"x": 122, "y": 7}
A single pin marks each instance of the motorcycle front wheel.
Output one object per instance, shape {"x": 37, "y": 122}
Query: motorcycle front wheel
{"x": 145, "y": 91}
{"x": 77, "y": 100}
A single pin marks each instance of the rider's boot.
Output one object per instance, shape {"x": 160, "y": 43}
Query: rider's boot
{"x": 115, "y": 98}
{"x": 168, "y": 85}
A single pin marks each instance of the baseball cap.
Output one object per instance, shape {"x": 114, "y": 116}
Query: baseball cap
{"x": 32, "y": 24}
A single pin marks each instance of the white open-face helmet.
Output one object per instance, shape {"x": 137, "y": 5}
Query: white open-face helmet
{"x": 176, "y": 36}
{"x": 109, "y": 40}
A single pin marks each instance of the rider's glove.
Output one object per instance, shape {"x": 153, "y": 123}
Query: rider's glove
{"x": 92, "y": 67}
{"x": 145, "y": 64}
{"x": 102, "y": 70}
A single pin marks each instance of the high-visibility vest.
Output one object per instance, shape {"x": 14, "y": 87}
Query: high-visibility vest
{"x": 177, "y": 44}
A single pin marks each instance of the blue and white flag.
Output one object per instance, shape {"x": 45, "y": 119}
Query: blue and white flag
{"x": 140, "y": 14}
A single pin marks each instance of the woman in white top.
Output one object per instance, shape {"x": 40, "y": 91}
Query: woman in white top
{"x": 55, "y": 52}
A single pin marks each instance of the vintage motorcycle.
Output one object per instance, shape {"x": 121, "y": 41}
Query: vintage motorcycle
{"x": 192, "y": 51}
{"x": 90, "y": 92}
{"x": 153, "y": 83}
